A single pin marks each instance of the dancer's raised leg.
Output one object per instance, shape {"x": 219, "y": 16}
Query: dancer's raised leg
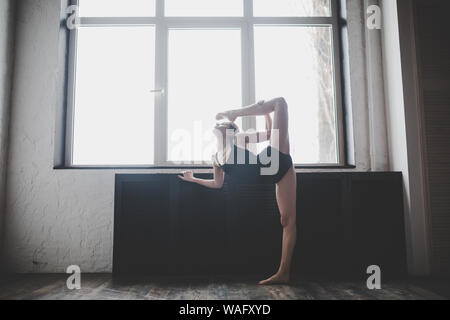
{"x": 280, "y": 121}
{"x": 257, "y": 109}
{"x": 286, "y": 193}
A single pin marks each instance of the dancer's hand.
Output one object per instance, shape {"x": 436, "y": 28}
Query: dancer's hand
{"x": 226, "y": 115}
{"x": 268, "y": 122}
{"x": 268, "y": 125}
{"x": 187, "y": 176}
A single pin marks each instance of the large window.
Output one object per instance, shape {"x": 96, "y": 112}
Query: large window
{"x": 146, "y": 78}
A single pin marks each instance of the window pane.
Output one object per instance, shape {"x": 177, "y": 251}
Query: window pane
{"x": 296, "y": 63}
{"x": 117, "y": 8}
{"x": 114, "y": 109}
{"x": 204, "y": 79}
{"x": 203, "y": 8}
{"x": 291, "y": 8}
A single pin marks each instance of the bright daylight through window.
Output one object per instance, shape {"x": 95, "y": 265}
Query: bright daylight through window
{"x": 147, "y": 77}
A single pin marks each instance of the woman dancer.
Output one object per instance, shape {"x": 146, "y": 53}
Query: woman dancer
{"x": 231, "y": 143}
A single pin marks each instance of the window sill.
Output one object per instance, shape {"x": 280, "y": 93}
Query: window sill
{"x": 190, "y": 167}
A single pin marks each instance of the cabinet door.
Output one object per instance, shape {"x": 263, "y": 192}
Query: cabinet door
{"x": 253, "y": 229}
{"x": 141, "y": 225}
{"x": 199, "y": 238}
{"x": 378, "y": 236}
{"x": 321, "y": 225}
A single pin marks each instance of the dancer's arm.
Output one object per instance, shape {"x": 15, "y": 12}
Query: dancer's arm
{"x": 215, "y": 183}
{"x": 242, "y": 139}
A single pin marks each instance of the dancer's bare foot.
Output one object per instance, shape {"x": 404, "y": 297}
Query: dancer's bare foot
{"x": 278, "y": 278}
{"x": 226, "y": 115}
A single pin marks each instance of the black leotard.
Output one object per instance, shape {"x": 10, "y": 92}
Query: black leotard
{"x": 249, "y": 169}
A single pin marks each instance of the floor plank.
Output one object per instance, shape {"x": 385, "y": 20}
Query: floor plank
{"x": 103, "y": 287}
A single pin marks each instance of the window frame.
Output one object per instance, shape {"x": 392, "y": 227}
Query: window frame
{"x": 162, "y": 25}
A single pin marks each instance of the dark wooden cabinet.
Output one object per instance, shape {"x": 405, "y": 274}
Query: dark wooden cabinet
{"x": 345, "y": 221}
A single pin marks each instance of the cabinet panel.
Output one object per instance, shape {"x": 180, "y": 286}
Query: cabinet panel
{"x": 377, "y": 233}
{"x": 142, "y": 226}
{"x": 321, "y": 225}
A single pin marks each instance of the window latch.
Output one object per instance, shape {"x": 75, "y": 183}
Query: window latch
{"x": 160, "y": 91}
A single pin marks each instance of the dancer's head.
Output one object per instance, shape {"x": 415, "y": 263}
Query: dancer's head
{"x": 226, "y": 131}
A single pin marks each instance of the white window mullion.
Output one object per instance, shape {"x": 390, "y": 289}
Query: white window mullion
{"x": 160, "y": 143}
{"x": 248, "y": 63}
{"x": 73, "y": 36}
{"x": 337, "y": 83}
{"x": 68, "y": 156}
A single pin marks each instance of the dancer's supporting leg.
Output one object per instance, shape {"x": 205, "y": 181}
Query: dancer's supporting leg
{"x": 286, "y": 198}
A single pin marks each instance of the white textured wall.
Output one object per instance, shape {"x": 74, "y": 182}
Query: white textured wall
{"x": 6, "y": 63}
{"x": 377, "y": 110}
{"x": 56, "y": 218}
{"x": 403, "y": 128}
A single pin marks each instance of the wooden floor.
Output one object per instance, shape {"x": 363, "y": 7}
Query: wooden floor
{"x": 101, "y": 287}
